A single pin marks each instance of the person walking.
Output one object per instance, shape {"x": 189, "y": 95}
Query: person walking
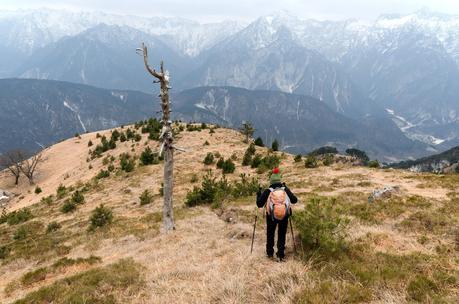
{"x": 276, "y": 201}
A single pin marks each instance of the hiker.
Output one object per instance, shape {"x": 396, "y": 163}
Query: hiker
{"x": 276, "y": 200}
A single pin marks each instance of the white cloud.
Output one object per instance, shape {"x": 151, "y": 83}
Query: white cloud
{"x": 245, "y": 9}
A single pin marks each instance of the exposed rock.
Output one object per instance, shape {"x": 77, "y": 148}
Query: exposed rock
{"x": 5, "y": 197}
{"x": 383, "y": 193}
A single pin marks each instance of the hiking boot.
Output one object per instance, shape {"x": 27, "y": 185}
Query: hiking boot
{"x": 280, "y": 258}
{"x": 270, "y": 256}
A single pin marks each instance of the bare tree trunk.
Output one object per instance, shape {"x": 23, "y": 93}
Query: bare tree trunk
{"x": 168, "y": 210}
{"x": 166, "y": 143}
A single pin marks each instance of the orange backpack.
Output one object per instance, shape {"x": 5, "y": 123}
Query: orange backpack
{"x": 278, "y": 205}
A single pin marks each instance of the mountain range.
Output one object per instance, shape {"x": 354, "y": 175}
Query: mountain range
{"x": 42, "y": 112}
{"x": 398, "y": 67}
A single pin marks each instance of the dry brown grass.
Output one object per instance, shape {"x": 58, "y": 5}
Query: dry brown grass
{"x": 207, "y": 259}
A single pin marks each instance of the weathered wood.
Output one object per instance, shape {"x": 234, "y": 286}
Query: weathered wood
{"x": 167, "y": 139}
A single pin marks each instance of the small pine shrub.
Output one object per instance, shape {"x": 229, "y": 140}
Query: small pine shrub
{"x": 77, "y": 197}
{"x": 111, "y": 168}
{"x": 123, "y": 137}
{"x": 209, "y": 159}
{"x": 228, "y": 166}
{"x": 53, "y": 226}
{"x": 373, "y": 164}
{"x": 137, "y": 137}
{"x": 101, "y": 216}
{"x": 256, "y": 161}
{"x": 90, "y": 143}
{"x": 259, "y": 142}
{"x": 17, "y": 217}
{"x": 220, "y": 163}
{"x": 103, "y": 174}
{"x": 211, "y": 131}
{"x": 206, "y": 143}
{"x": 328, "y": 160}
{"x": 145, "y": 198}
{"x": 47, "y": 200}
{"x": 275, "y": 145}
{"x": 127, "y": 163}
{"x": 61, "y": 191}
{"x": 20, "y": 234}
{"x": 37, "y": 190}
{"x": 298, "y": 158}
{"x": 97, "y": 135}
{"x": 77, "y": 134}
{"x": 115, "y": 135}
{"x": 321, "y": 227}
{"x": 310, "y": 162}
{"x": 247, "y": 159}
{"x": 210, "y": 192}
{"x": 147, "y": 157}
{"x": 68, "y": 206}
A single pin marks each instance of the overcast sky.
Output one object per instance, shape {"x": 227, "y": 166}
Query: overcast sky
{"x": 212, "y": 10}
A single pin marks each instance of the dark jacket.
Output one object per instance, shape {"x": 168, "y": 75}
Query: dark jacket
{"x": 263, "y": 197}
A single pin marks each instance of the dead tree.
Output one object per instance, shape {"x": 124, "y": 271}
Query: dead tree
{"x": 29, "y": 165}
{"x": 166, "y": 139}
{"x": 13, "y": 161}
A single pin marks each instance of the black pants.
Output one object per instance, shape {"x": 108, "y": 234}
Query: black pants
{"x": 270, "y": 233}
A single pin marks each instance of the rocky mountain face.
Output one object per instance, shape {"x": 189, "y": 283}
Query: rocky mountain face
{"x": 300, "y": 123}
{"x": 445, "y": 162}
{"x": 103, "y": 56}
{"x": 402, "y": 67}
{"x": 37, "y": 113}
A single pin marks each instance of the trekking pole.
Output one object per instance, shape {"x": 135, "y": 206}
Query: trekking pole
{"x": 293, "y": 235}
{"x": 254, "y": 227}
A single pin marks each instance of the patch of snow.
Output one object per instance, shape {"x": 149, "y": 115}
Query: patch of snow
{"x": 75, "y": 110}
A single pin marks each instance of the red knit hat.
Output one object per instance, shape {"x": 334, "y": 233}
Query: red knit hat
{"x": 276, "y": 171}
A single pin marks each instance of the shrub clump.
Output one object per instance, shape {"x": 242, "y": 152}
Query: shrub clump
{"x": 298, "y": 158}
{"x": 249, "y": 153}
{"x": 228, "y": 166}
{"x": 147, "y": 157}
{"x": 127, "y": 163}
{"x": 101, "y": 216}
{"x": 77, "y": 197}
{"x": 61, "y": 191}
{"x": 209, "y": 159}
{"x": 373, "y": 164}
{"x": 213, "y": 191}
{"x": 259, "y": 142}
{"x": 310, "y": 162}
{"x": 103, "y": 174}
{"x": 145, "y": 198}
{"x": 17, "y": 217}
{"x": 37, "y": 190}
{"x": 275, "y": 145}
{"x": 68, "y": 206}
{"x": 321, "y": 227}
{"x": 53, "y": 226}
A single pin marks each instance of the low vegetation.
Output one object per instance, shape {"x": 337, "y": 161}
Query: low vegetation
{"x": 115, "y": 283}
